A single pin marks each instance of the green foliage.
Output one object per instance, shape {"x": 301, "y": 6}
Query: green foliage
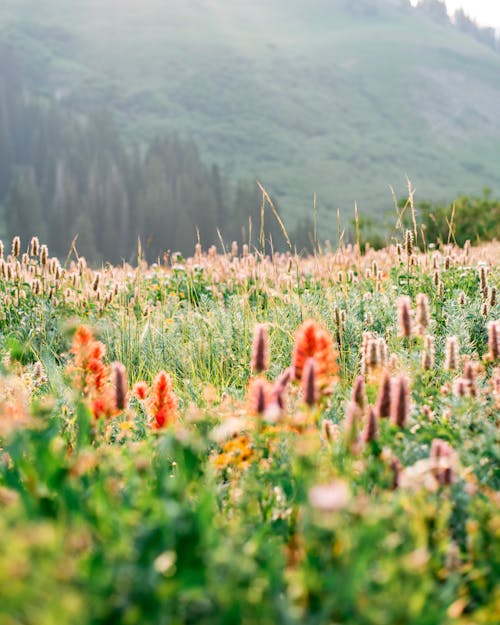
{"x": 476, "y": 218}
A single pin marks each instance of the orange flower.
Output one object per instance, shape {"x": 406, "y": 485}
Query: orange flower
{"x": 312, "y": 341}
{"x": 140, "y": 390}
{"x": 163, "y": 402}
{"x": 90, "y": 374}
{"x": 237, "y": 452}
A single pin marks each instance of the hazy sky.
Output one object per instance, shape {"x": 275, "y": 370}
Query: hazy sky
{"x": 485, "y": 12}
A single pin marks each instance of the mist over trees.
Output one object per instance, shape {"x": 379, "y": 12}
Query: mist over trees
{"x": 63, "y": 177}
{"x": 67, "y": 171}
{"x": 437, "y": 11}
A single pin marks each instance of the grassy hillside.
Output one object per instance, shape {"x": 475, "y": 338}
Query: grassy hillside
{"x": 306, "y": 96}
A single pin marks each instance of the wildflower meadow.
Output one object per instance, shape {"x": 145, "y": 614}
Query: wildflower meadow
{"x": 240, "y": 438}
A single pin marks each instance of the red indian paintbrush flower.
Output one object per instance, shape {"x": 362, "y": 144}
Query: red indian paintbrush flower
{"x": 312, "y": 341}
{"x": 90, "y": 374}
{"x": 140, "y": 390}
{"x": 162, "y": 401}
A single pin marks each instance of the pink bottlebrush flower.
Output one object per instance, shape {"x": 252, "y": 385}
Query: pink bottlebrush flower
{"x": 493, "y": 341}
{"x": 259, "y": 396}
{"x": 383, "y": 405}
{"x": 451, "y": 353}
{"x": 260, "y": 349}
{"x": 329, "y": 430}
{"x": 370, "y": 431}
{"x": 428, "y": 353}
{"x": 461, "y": 387}
{"x": 423, "y": 313}
{"x": 16, "y": 246}
{"x": 383, "y": 351}
{"x": 119, "y": 381}
{"x": 445, "y": 460}
{"x": 395, "y": 466}
{"x": 358, "y": 394}
{"x": 400, "y": 401}
{"x": 280, "y": 387}
{"x": 351, "y": 422}
{"x": 310, "y": 388}
{"x": 404, "y": 316}
{"x": 373, "y": 354}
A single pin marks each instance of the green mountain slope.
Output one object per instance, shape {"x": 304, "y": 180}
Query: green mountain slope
{"x": 306, "y": 95}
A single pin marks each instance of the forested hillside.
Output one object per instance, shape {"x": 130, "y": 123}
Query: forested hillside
{"x": 63, "y": 177}
{"x": 338, "y": 98}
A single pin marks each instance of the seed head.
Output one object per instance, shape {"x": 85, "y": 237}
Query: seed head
{"x": 428, "y": 353}
{"x": 445, "y": 459}
{"x": 383, "y": 351}
{"x": 328, "y": 430}
{"x": 260, "y": 349}
{"x": 384, "y": 397}
{"x": 483, "y": 279}
{"x": 436, "y": 278}
{"x": 409, "y": 242}
{"x": 34, "y": 246}
{"x": 280, "y": 387}
{"x": 451, "y": 354}
{"x": 396, "y": 473}
{"x": 423, "y": 314}
{"x": 351, "y": 422}
{"x": 492, "y": 296}
{"x": 44, "y": 255}
{"x": 16, "y": 246}
{"x": 310, "y": 389}
{"x": 461, "y": 387}
{"x": 358, "y": 394}
{"x": 493, "y": 341}
{"x": 404, "y": 316}
{"x": 259, "y": 396}
{"x": 119, "y": 378}
{"x": 400, "y": 401}
{"x": 370, "y": 431}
